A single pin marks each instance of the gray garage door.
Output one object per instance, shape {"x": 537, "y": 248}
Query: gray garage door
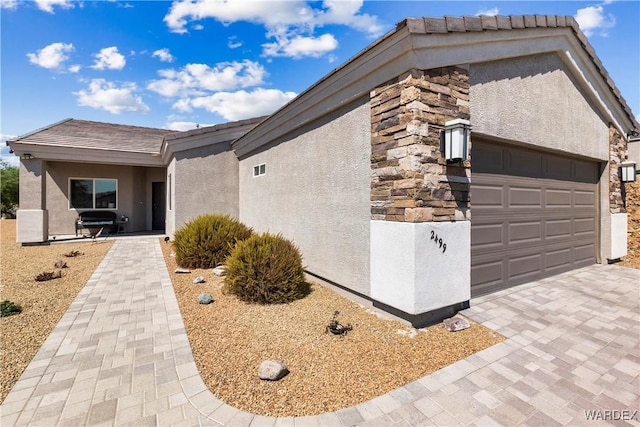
{"x": 533, "y": 215}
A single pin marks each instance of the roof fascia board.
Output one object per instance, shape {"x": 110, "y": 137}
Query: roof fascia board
{"x": 85, "y": 155}
{"x": 189, "y": 142}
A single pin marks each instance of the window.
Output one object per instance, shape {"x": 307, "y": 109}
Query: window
{"x": 86, "y": 193}
{"x": 259, "y": 170}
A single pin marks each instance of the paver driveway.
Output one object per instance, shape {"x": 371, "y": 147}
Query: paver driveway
{"x": 120, "y": 356}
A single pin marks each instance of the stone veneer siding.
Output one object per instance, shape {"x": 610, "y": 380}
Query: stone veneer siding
{"x": 617, "y": 155}
{"x": 410, "y": 179}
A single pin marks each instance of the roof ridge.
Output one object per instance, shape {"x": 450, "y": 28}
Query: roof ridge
{"x": 121, "y": 125}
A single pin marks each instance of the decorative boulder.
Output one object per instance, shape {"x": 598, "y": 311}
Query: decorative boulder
{"x": 455, "y": 324}
{"x": 205, "y": 299}
{"x": 198, "y": 279}
{"x": 272, "y": 370}
{"x": 181, "y": 270}
{"x": 220, "y": 270}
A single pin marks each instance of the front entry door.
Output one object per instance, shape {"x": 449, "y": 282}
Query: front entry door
{"x": 158, "y": 200}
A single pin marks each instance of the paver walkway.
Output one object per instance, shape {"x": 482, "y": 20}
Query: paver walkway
{"x": 120, "y": 356}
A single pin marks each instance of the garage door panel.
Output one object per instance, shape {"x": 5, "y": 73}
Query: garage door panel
{"x": 558, "y": 259}
{"x": 583, "y": 227}
{"x": 557, "y": 229}
{"x": 488, "y": 274}
{"x": 524, "y": 232}
{"x": 487, "y": 236}
{"x": 492, "y": 195}
{"x": 558, "y": 198}
{"x": 584, "y": 254}
{"x": 520, "y": 267}
{"x": 529, "y": 223}
{"x": 522, "y": 197}
{"x": 584, "y": 198}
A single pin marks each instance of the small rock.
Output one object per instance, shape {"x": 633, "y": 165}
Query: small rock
{"x": 220, "y": 270}
{"x": 205, "y": 299}
{"x": 455, "y": 324}
{"x": 181, "y": 270}
{"x": 198, "y": 279}
{"x": 60, "y": 264}
{"x": 172, "y": 254}
{"x": 272, "y": 370}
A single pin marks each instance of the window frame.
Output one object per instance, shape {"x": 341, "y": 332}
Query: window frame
{"x": 93, "y": 193}
{"x": 259, "y": 170}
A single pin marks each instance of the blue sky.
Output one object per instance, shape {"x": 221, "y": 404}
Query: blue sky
{"x": 178, "y": 64}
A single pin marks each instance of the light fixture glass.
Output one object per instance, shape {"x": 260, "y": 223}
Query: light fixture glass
{"x": 628, "y": 172}
{"x": 455, "y": 140}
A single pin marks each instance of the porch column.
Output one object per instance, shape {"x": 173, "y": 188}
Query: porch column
{"x": 420, "y": 213}
{"x": 32, "y": 217}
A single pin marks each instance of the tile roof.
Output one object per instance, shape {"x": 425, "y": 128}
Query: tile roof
{"x": 451, "y": 24}
{"x": 215, "y": 128}
{"x": 75, "y": 133}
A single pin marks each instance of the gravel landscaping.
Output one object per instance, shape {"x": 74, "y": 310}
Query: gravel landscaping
{"x": 230, "y": 339}
{"x": 43, "y": 303}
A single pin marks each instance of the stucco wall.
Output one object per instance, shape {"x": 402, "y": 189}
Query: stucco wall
{"x": 316, "y": 192}
{"x": 534, "y": 100}
{"x": 171, "y": 198}
{"x": 132, "y": 197}
{"x": 205, "y": 181}
{"x": 633, "y": 152}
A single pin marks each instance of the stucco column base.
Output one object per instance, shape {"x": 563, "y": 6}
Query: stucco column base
{"x": 618, "y": 247}
{"x": 420, "y": 267}
{"x": 32, "y": 226}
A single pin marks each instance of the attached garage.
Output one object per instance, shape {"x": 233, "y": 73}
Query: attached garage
{"x": 534, "y": 215}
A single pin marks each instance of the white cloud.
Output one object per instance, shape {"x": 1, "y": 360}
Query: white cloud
{"x": 105, "y": 95}
{"x": 592, "y": 20}
{"x": 196, "y": 79}
{"x": 8, "y": 4}
{"x": 292, "y": 22}
{"x": 164, "y": 55}
{"x": 109, "y": 58}
{"x": 74, "y": 68}
{"x": 51, "y": 56}
{"x": 233, "y": 42}
{"x": 488, "y": 12}
{"x": 299, "y": 46}
{"x": 47, "y": 5}
{"x": 238, "y": 105}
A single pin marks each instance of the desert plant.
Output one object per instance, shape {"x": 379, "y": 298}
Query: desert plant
{"x": 265, "y": 269}
{"x": 337, "y": 328}
{"x": 8, "y": 308}
{"x": 206, "y": 241}
{"x": 73, "y": 254}
{"x": 48, "y": 275}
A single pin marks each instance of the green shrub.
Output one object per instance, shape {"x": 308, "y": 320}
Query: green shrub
{"x": 8, "y": 308}
{"x": 206, "y": 241}
{"x": 265, "y": 269}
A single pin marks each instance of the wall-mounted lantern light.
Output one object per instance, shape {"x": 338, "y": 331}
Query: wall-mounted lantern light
{"x": 26, "y": 156}
{"x": 454, "y": 138}
{"x": 628, "y": 172}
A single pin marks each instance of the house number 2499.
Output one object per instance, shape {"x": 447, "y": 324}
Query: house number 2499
{"x": 438, "y": 241}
